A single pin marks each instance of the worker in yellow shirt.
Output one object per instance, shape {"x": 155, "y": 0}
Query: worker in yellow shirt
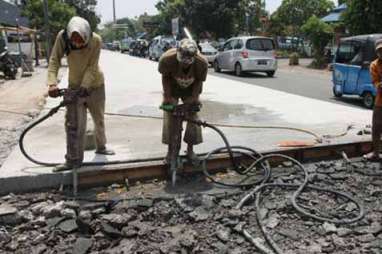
{"x": 82, "y": 48}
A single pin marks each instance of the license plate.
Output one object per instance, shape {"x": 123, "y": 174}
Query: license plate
{"x": 262, "y": 62}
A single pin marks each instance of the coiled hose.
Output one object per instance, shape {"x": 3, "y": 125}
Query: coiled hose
{"x": 300, "y": 188}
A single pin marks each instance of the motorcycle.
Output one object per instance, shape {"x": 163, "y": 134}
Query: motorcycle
{"x": 7, "y": 65}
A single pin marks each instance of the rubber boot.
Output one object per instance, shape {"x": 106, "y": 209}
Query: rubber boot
{"x": 104, "y": 151}
{"x": 192, "y": 157}
{"x": 62, "y": 167}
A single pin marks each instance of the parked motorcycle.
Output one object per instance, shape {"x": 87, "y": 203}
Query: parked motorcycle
{"x": 7, "y": 65}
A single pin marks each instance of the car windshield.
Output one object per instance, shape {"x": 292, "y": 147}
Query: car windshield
{"x": 207, "y": 47}
{"x": 260, "y": 44}
{"x": 170, "y": 41}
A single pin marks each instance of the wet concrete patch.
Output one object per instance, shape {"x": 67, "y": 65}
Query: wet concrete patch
{"x": 214, "y": 111}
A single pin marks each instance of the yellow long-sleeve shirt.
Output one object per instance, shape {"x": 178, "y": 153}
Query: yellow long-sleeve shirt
{"x": 83, "y": 64}
{"x": 376, "y": 77}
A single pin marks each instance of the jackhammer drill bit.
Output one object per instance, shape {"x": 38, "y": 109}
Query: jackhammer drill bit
{"x": 75, "y": 181}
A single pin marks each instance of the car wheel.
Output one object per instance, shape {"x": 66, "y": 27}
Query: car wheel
{"x": 271, "y": 73}
{"x": 368, "y": 100}
{"x": 336, "y": 93}
{"x": 238, "y": 70}
{"x": 216, "y": 66}
{"x": 10, "y": 71}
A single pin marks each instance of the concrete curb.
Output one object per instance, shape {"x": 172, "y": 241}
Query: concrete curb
{"x": 105, "y": 175}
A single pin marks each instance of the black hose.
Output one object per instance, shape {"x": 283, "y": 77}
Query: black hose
{"x": 54, "y": 110}
{"x": 221, "y": 134}
{"x": 50, "y": 113}
{"x": 34, "y": 124}
{"x": 300, "y": 188}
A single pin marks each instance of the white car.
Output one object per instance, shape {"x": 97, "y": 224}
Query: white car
{"x": 159, "y": 45}
{"x": 247, "y": 54}
{"x": 209, "y": 52}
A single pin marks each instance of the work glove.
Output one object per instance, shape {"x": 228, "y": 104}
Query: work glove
{"x": 53, "y": 91}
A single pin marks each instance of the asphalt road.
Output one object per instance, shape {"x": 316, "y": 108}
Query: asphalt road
{"x": 300, "y": 81}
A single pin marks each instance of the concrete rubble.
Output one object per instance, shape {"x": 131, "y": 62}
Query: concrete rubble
{"x": 150, "y": 219}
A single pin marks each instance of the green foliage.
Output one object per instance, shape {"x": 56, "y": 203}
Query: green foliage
{"x": 319, "y": 33}
{"x": 254, "y": 9}
{"x": 59, "y": 14}
{"x": 220, "y": 18}
{"x": 363, "y": 16}
{"x": 213, "y": 16}
{"x": 292, "y": 14}
{"x": 109, "y": 33}
{"x": 86, "y": 10}
{"x": 169, "y": 9}
{"x": 342, "y": 2}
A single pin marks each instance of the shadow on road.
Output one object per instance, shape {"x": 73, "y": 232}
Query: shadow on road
{"x": 350, "y": 101}
{"x": 256, "y": 75}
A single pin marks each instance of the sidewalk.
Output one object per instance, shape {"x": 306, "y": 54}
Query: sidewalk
{"x": 21, "y": 100}
{"x": 302, "y": 67}
{"x": 134, "y": 87}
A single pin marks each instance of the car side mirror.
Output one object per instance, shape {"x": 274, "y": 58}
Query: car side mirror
{"x": 221, "y": 49}
{"x": 365, "y": 64}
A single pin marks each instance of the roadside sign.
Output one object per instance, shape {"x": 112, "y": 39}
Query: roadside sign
{"x": 175, "y": 26}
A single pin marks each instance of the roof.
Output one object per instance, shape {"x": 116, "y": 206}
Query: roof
{"x": 335, "y": 15}
{"x": 246, "y": 37}
{"x": 340, "y": 8}
{"x": 332, "y": 17}
{"x": 363, "y": 38}
{"x": 9, "y": 13}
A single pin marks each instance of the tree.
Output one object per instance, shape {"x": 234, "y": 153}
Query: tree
{"x": 363, "y": 16}
{"x": 59, "y": 14}
{"x": 86, "y": 10}
{"x": 341, "y": 2}
{"x": 217, "y": 17}
{"x": 110, "y": 33}
{"x": 169, "y": 9}
{"x": 249, "y": 15}
{"x": 292, "y": 14}
{"x": 200, "y": 16}
{"x": 319, "y": 33}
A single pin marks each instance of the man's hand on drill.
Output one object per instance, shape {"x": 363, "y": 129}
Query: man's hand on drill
{"x": 53, "y": 91}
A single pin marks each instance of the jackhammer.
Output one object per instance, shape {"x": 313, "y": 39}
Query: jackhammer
{"x": 179, "y": 113}
{"x": 70, "y": 96}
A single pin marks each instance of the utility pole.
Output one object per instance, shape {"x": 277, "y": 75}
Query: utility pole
{"x": 47, "y": 30}
{"x": 114, "y": 17}
{"x": 114, "y": 20}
